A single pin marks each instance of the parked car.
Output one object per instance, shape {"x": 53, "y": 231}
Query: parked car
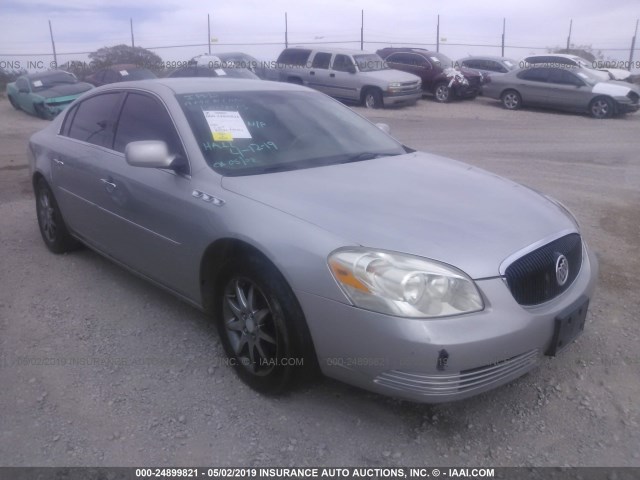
{"x": 313, "y": 237}
{"x": 437, "y": 72}
{"x": 119, "y": 73}
{"x": 45, "y": 94}
{"x": 576, "y": 89}
{"x": 241, "y": 60}
{"x": 211, "y": 72}
{"x": 565, "y": 60}
{"x": 488, "y": 65}
{"x": 350, "y": 75}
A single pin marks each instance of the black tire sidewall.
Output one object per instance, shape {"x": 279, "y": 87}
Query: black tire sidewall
{"x": 377, "y": 97}
{"x": 287, "y": 317}
{"x": 63, "y": 242}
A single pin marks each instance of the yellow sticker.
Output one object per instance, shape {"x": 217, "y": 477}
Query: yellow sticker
{"x": 222, "y": 137}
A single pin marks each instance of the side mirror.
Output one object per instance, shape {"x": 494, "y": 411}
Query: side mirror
{"x": 148, "y": 154}
{"x": 384, "y": 127}
{"x": 351, "y": 69}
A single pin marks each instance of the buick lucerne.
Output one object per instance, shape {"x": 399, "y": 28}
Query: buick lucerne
{"x": 313, "y": 238}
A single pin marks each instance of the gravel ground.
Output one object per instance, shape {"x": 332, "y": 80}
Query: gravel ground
{"x": 148, "y": 386}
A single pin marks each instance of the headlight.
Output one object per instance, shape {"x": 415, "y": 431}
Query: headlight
{"x": 403, "y": 285}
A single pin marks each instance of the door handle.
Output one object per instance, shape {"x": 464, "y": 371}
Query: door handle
{"x": 332, "y": 75}
{"x": 312, "y": 73}
{"x": 58, "y": 162}
{"x": 108, "y": 185}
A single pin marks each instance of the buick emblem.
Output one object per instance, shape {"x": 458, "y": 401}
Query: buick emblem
{"x": 562, "y": 270}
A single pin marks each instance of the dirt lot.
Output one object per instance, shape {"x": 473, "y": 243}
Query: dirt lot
{"x": 153, "y": 391}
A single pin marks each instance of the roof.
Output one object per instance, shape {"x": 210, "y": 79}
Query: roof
{"x": 38, "y": 75}
{"x": 487, "y": 57}
{"x": 199, "y": 84}
{"x": 345, "y": 51}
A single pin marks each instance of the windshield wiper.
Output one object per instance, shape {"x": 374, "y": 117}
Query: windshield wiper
{"x": 367, "y": 156}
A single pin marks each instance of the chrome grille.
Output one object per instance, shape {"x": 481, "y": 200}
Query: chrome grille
{"x": 532, "y": 278}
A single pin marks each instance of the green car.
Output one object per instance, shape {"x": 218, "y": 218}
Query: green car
{"x": 45, "y": 94}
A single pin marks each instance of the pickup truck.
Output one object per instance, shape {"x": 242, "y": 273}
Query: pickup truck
{"x": 350, "y": 75}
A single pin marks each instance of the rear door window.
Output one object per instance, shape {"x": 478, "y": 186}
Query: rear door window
{"x": 321, "y": 60}
{"x": 94, "y": 119}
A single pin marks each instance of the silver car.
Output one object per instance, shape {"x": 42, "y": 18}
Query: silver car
{"x": 313, "y": 238}
{"x": 563, "y": 88}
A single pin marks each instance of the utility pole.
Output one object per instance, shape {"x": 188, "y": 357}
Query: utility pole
{"x": 504, "y": 24}
{"x": 362, "y": 31}
{"x": 286, "y": 31}
{"x": 209, "y": 32}
{"x": 131, "y": 24}
{"x": 53, "y": 45}
{"x": 569, "y": 37}
{"x": 438, "y": 35}
{"x": 633, "y": 46}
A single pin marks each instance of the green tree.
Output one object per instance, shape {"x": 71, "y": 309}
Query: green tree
{"x": 107, "y": 56}
{"x": 585, "y": 51}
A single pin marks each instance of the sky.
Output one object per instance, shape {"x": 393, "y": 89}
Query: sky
{"x": 533, "y": 27}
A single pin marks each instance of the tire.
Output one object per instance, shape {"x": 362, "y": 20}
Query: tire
{"x": 52, "y": 227}
{"x": 511, "y": 100}
{"x": 262, "y": 327}
{"x": 442, "y": 93}
{"x": 13, "y": 103}
{"x": 372, "y": 98}
{"x": 601, "y": 107}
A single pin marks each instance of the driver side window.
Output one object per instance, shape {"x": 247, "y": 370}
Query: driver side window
{"x": 145, "y": 118}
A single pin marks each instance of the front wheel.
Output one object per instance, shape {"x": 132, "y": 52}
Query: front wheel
{"x": 442, "y": 93}
{"x": 601, "y": 107}
{"x": 52, "y": 228}
{"x": 261, "y": 326}
{"x": 372, "y": 98}
{"x": 511, "y": 100}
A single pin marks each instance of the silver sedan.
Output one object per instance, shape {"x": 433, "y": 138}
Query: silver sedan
{"x": 314, "y": 239}
{"x": 563, "y": 87}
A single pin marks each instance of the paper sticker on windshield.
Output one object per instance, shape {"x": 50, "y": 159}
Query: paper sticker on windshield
{"x": 226, "y": 126}
{"x": 582, "y": 75}
{"x": 435, "y": 59}
{"x": 37, "y": 83}
{"x": 124, "y": 73}
{"x": 220, "y": 72}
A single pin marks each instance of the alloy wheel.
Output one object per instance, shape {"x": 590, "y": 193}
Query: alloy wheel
{"x": 250, "y": 327}
{"x": 47, "y": 216}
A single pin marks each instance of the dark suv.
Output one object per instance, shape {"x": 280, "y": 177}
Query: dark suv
{"x": 440, "y": 76}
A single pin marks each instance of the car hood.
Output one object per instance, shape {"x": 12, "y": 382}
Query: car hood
{"x": 415, "y": 203}
{"x": 613, "y": 88}
{"x": 391, "y": 75}
{"x": 469, "y": 72}
{"x": 618, "y": 73}
{"x": 64, "y": 90}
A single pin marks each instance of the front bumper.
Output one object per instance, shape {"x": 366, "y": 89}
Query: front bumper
{"x": 439, "y": 360}
{"x": 466, "y": 91}
{"x": 401, "y": 98}
{"x": 625, "y": 105}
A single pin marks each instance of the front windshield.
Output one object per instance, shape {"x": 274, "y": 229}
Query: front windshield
{"x": 370, "y": 62}
{"x": 248, "y": 133}
{"x": 440, "y": 59}
{"x": 47, "y": 81}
